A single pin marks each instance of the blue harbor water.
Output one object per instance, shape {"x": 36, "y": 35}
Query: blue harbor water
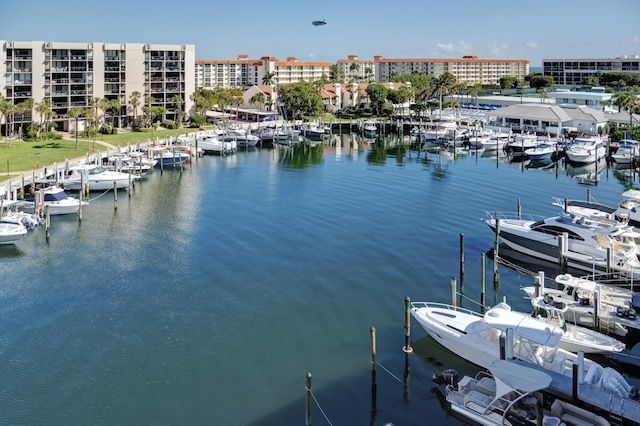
{"x": 208, "y": 295}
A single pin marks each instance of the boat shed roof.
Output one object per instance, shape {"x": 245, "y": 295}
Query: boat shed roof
{"x": 546, "y": 112}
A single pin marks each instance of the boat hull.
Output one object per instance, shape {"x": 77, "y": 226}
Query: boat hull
{"x": 11, "y": 233}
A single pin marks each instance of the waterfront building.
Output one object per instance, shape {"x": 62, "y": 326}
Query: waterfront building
{"x": 73, "y": 74}
{"x": 357, "y": 70}
{"x": 468, "y": 69}
{"x": 249, "y": 72}
{"x": 573, "y": 72}
{"x": 548, "y": 119}
{"x": 597, "y": 98}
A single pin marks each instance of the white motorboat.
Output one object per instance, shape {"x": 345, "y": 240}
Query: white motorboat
{"x": 11, "y": 232}
{"x": 544, "y": 150}
{"x": 477, "y": 338}
{"x": 497, "y": 142}
{"x": 211, "y": 144}
{"x": 628, "y": 152}
{"x": 479, "y": 138}
{"x": 439, "y": 130}
{"x": 586, "y": 149}
{"x": 575, "y": 338}
{"x": 522, "y": 142}
{"x": 370, "y": 129}
{"x": 96, "y": 178}
{"x": 585, "y": 242}
{"x": 240, "y": 136}
{"x": 55, "y": 199}
{"x": 312, "y": 131}
{"x": 629, "y": 207}
{"x": 511, "y": 394}
{"x": 586, "y": 299}
{"x": 167, "y": 156}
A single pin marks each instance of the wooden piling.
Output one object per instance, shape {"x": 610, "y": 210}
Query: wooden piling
{"x": 482, "y": 280}
{"x": 496, "y": 273}
{"x": 47, "y": 223}
{"x": 129, "y": 185}
{"x": 453, "y": 292}
{"x": 407, "y": 326}
{"x": 519, "y": 208}
{"x": 22, "y": 186}
{"x": 308, "y": 400}
{"x": 115, "y": 196}
{"x": 589, "y": 194}
{"x": 462, "y": 263}
{"x": 80, "y": 206}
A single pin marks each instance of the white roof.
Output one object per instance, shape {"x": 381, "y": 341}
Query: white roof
{"x": 509, "y": 376}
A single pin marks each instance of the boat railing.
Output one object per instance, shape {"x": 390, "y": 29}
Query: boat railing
{"x": 444, "y": 306}
{"x": 514, "y": 216}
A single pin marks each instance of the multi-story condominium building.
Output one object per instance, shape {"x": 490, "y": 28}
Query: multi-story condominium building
{"x": 468, "y": 69}
{"x": 573, "y": 72}
{"x": 354, "y": 69}
{"x": 73, "y": 74}
{"x": 249, "y": 72}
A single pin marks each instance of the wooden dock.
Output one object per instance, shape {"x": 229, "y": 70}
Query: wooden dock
{"x": 619, "y": 411}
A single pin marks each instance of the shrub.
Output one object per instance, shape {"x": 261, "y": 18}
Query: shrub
{"x": 167, "y": 124}
{"x": 199, "y": 121}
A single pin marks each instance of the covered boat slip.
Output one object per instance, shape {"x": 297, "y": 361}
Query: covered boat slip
{"x": 613, "y": 407}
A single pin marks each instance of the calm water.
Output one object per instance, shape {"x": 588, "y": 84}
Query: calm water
{"x": 208, "y": 295}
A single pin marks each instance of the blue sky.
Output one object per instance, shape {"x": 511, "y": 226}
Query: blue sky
{"x": 502, "y": 29}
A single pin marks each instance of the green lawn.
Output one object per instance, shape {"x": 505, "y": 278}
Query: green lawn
{"x": 18, "y": 156}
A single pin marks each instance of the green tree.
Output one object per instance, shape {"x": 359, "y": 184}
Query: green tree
{"x": 543, "y": 95}
{"x": 269, "y": 78}
{"x": 591, "y": 80}
{"x": 43, "y": 109}
{"x": 301, "y": 98}
{"x": 538, "y": 81}
{"x": 6, "y": 110}
{"x": 176, "y": 101}
{"x": 22, "y": 108}
{"x": 75, "y": 113}
{"x": 104, "y": 104}
{"x": 377, "y": 96}
{"x": 354, "y": 68}
{"x": 508, "y": 82}
{"x": 257, "y": 99}
{"x": 627, "y": 101}
{"x": 134, "y": 103}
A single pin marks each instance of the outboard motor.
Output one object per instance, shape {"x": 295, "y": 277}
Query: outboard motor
{"x": 631, "y": 314}
{"x": 447, "y": 377}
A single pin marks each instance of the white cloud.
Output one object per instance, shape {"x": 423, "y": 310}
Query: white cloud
{"x": 532, "y": 45}
{"x": 465, "y": 47}
{"x": 446, "y": 47}
{"x": 498, "y": 49}
{"x": 636, "y": 39}
{"x": 312, "y": 56}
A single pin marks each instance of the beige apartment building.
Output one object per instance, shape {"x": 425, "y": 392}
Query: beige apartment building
{"x": 245, "y": 72}
{"x": 72, "y": 74}
{"x": 354, "y": 69}
{"x": 468, "y": 69}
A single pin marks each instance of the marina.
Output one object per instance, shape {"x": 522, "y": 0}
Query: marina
{"x": 216, "y": 287}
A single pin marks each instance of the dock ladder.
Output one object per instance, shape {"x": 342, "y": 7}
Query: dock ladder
{"x": 614, "y": 418}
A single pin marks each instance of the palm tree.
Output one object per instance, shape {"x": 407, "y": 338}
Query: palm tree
{"x": 75, "y": 113}
{"x": 5, "y": 109}
{"x": 627, "y": 101}
{"x": 90, "y": 114}
{"x": 442, "y": 86}
{"x": 22, "y": 108}
{"x": 114, "y": 107}
{"x": 269, "y": 78}
{"x": 44, "y": 108}
{"x": 256, "y": 99}
{"x": 176, "y": 101}
{"x": 354, "y": 68}
{"x": 104, "y": 105}
{"x": 543, "y": 95}
{"x": 134, "y": 103}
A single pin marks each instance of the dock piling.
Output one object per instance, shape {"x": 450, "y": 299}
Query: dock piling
{"x": 407, "y": 326}
{"x": 462, "y": 263}
{"x": 308, "y": 400}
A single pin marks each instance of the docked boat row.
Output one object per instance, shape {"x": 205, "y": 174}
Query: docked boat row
{"x": 502, "y": 341}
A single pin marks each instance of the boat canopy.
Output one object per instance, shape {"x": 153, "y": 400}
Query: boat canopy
{"x": 633, "y": 194}
{"x": 509, "y": 376}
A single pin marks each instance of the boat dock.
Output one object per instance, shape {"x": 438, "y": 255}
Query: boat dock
{"x": 618, "y": 410}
